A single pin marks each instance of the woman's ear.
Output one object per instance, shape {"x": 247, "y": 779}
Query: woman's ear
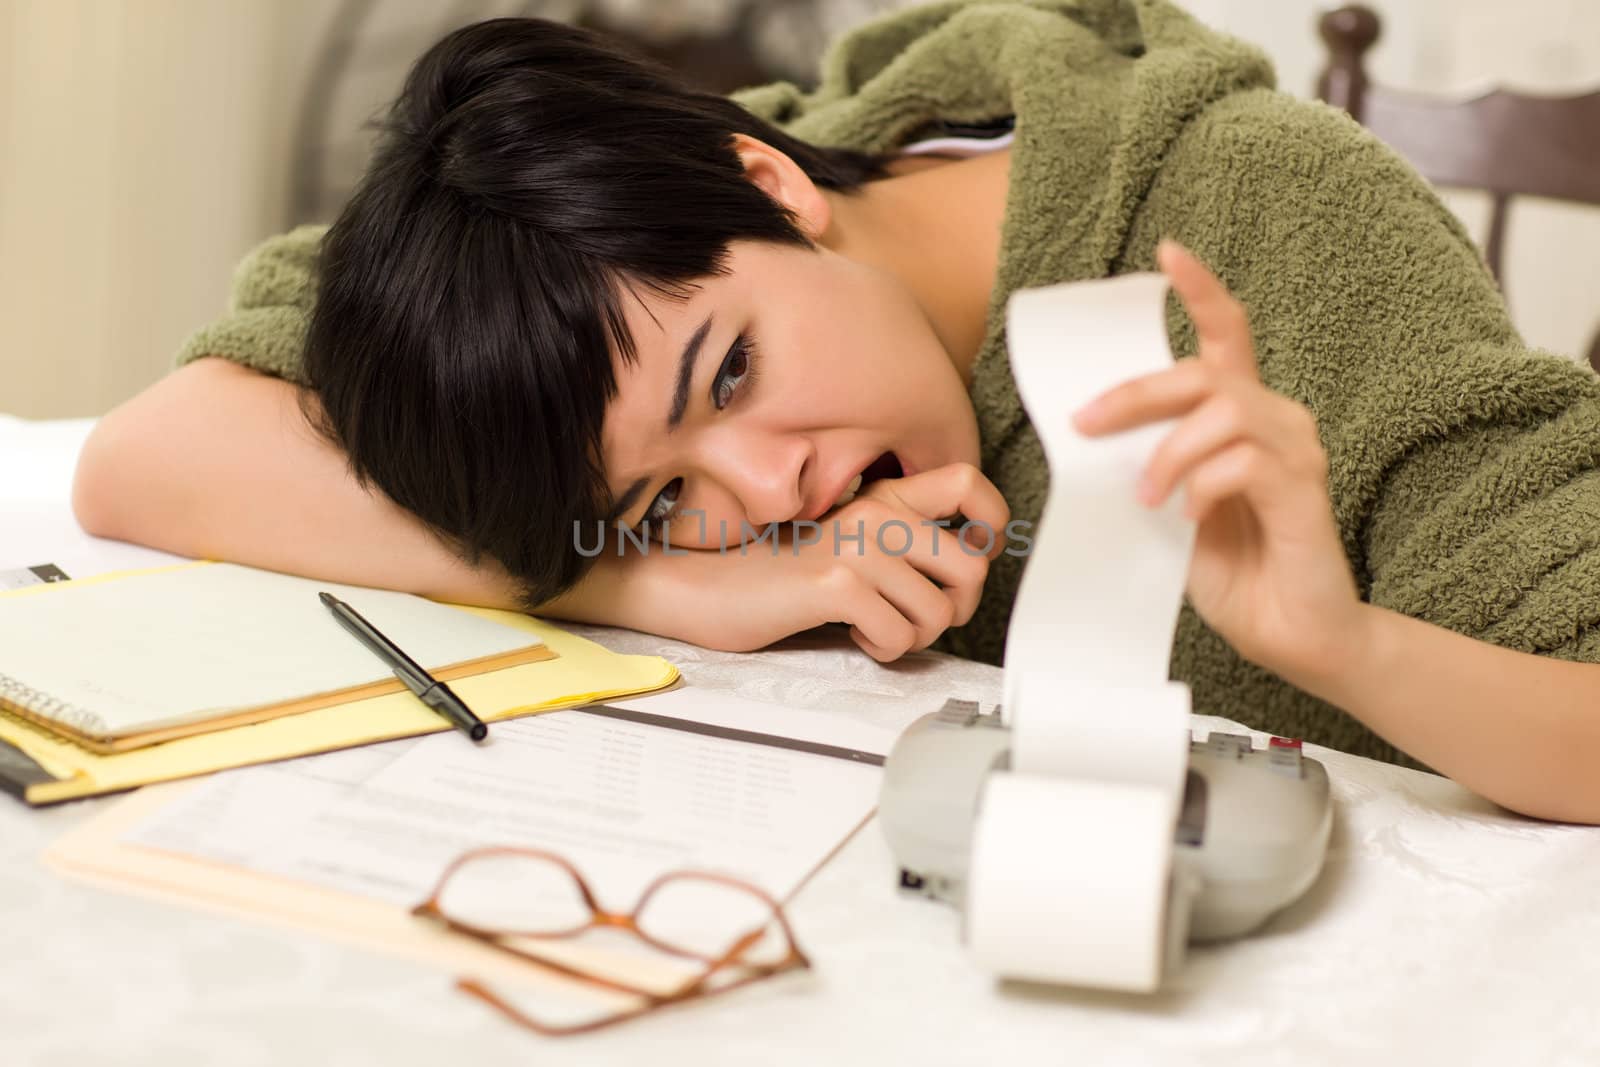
{"x": 784, "y": 181}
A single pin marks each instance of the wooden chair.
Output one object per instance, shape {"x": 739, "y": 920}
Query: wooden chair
{"x": 1508, "y": 144}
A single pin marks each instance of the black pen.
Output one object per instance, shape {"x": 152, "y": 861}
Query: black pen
{"x": 429, "y": 690}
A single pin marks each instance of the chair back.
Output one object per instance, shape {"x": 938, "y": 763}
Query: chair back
{"x": 1505, "y": 143}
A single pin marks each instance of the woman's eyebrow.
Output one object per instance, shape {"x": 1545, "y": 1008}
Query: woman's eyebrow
{"x": 680, "y": 391}
{"x": 680, "y": 403}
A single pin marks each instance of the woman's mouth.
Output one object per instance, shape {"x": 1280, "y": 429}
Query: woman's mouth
{"x": 849, "y": 493}
{"x": 885, "y": 466}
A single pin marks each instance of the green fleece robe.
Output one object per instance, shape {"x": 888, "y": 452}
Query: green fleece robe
{"x": 1464, "y": 469}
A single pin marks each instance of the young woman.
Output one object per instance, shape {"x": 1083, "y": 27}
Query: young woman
{"x": 571, "y": 295}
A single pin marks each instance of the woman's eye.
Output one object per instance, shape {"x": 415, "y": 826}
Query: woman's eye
{"x": 661, "y": 508}
{"x": 733, "y": 372}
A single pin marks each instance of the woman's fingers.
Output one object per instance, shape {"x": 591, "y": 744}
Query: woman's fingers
{"x": 930, "y": 610}
{"x": 879, "y": 628}
{"x": 1228, "y": 415}
{"x": 1242, "y": 468}
{"x": 1219, "y": 320}
{"x": 956, "y": 488}
{"x": 1280, "y": 486}
{"x": 1226, "y": 352}
{"x": 924, "y": 549}
{"x": 1165, "y": 394}
{"x": 895, "y": 572}
{"x": 890, "y": 607}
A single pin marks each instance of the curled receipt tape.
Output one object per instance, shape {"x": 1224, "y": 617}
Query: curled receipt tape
{"x": 1072, "y": 871}
{"x": 1100, "y": 737}
{"x": 1100, "y": 596}
{"x": 1085, "y": 834}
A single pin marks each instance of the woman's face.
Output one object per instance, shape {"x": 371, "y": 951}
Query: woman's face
{"x": 761, "y": 396}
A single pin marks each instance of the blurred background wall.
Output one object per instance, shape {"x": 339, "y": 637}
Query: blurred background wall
{"x": 145, "y": 145}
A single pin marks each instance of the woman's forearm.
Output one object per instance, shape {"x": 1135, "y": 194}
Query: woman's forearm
{"x": 701, "y": 597}
{"x": 633, "y": 591}
{"x": 217, "y": 462}
{"x": 1522, "y": 730}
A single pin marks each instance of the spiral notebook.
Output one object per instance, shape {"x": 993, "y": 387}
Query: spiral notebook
{"x": 130, "y": 660}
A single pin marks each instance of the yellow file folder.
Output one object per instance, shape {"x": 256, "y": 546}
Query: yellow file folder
{"x": 44, "y": 769}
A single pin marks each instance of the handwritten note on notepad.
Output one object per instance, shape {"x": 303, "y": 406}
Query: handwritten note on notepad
{"x": 137, "y": 658}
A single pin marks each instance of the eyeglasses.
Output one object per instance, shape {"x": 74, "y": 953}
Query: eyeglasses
{"x": 505, "y": 897}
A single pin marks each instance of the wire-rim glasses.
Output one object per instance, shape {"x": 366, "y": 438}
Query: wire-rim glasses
{"x": 505, "y": 897}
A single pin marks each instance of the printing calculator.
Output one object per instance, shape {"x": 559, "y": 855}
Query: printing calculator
{"x": 1250, "y": 835}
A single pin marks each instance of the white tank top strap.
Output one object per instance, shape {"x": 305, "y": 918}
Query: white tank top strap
{"x": 960, "y": 147}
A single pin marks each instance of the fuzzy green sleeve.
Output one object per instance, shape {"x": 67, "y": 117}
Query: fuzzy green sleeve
{"x": 274, "y": 290}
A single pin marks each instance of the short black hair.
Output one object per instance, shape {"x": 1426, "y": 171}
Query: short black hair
{"x": 470, "y": 293}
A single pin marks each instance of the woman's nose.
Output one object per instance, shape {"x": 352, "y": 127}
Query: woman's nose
{"x": 766, "y": 477}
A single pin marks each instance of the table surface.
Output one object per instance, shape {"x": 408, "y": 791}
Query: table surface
{"x": 1443, "y": 928}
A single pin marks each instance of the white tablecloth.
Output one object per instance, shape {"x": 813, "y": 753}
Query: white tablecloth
{"x": 1444, "y": 930}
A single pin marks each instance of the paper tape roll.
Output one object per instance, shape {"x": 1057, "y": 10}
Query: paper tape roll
{"x": 1069, "y": 882}
{"x": 1072, "y": 851}
{"x": 1100, "y": 596}
{"x": 1134, "y": 734}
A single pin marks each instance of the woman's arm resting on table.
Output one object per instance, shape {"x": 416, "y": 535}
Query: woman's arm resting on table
{"x": 1520, "y": 729}
{"x": 217, "y": 461}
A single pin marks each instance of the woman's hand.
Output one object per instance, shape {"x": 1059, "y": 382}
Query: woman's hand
{"x": 880, "y": 564}
{"x": 1268, "y": 572}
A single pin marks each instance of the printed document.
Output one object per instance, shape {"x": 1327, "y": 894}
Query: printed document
{"x": 622, "y": 801}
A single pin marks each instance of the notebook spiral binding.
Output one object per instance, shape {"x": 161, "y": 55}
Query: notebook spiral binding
{"x": 41, "y": 707}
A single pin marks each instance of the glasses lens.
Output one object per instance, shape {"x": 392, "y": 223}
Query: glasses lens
{"x": 704, "y": 917}
{"x": 514, "y": 893}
